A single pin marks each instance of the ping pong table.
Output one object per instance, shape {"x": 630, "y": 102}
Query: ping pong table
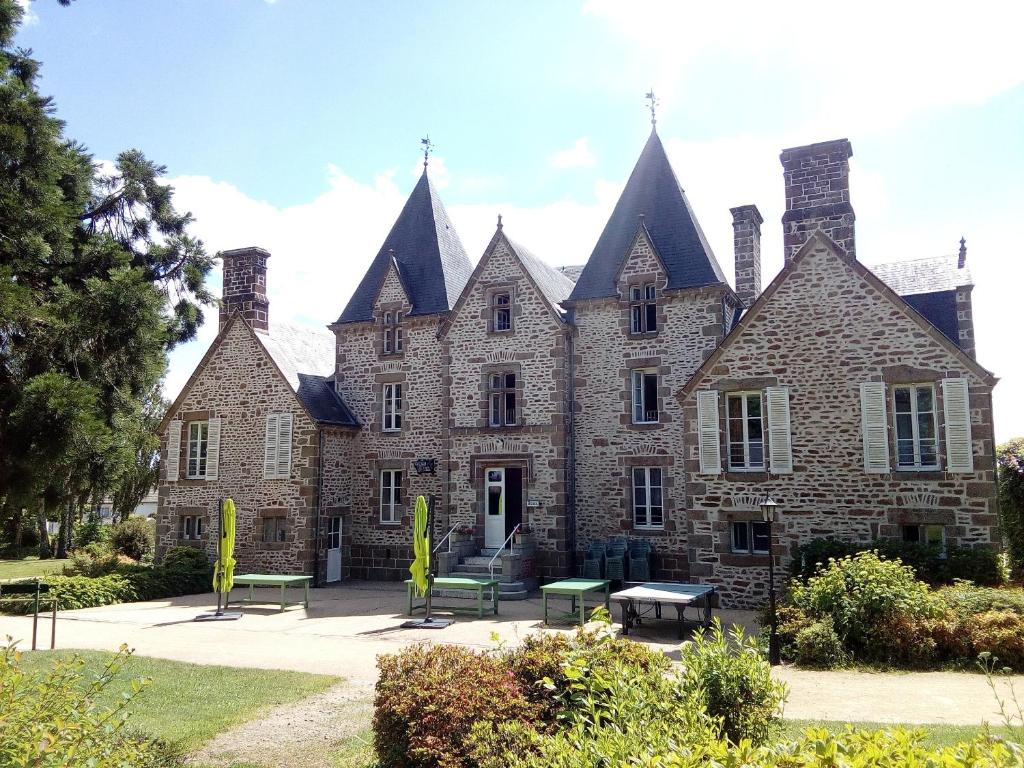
{"x": 656, "y": 594}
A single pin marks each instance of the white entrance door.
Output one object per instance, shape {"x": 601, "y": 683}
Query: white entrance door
{"x": 494, "y": 519}
{"x": 334, "y": 549}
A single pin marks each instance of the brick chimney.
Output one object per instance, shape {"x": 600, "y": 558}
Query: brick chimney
{"x": 817, "y": 179}
{"x": 746, "y": 240}
{"x": 245, "y": 286}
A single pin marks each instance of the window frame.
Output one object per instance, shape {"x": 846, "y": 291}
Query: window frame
{"x": 191, "y": 528}
{"x": 280, "y": 530}
{"x": 500, "y": 394}
{"x": 915, "y": 427}
{"x": 925, "y": 529}
{"x": 638, "y": 382}
{"x": 394, "y": 339}
{"x": 202, "y": 445}
{"x": 643, "y": 308}
{"x": 392, "y": 500}
{"x": 745, "y": 396}
{"x": 648, "y": 487}
{"x": 501, "y": 309}
{"x": 391, "y": 406}
{"x": 750, "y": 548}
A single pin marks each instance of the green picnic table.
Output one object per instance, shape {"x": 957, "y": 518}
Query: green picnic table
{"x": 576, "y": 589}
{"x": 253, "y": 580}
{"x": 455, "y": 583}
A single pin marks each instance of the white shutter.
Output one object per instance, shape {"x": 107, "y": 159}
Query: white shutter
{"x": 780, "y": 441}
{"x": 956, "y": 406}
{"x": 874, "y": 426}
{"x": 213, "y": 448}
{"x": 173, "y": 457}
{"x": 270, "y": 447}
{"x": 284, "y": 445}
{"x": 707, "y": 433}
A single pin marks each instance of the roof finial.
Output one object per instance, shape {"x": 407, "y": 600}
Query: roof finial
{"x": 499, "y": 221}
{"x": 652, "y": 104}
{"x": 427, "y": 146}
{"x": 961, "y": 262}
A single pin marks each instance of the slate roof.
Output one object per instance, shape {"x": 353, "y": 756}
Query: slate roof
{"x": 552, "y": 282}
{"x": 652, "y": 190}
{"x": 938, "y": 273}
{"x": 306, "y": 358}
{"x": 572, "y": 271}
{"x": 432, "y": 263}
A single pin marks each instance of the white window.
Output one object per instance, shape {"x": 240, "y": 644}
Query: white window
{"x": 750, "y": 538}
{"x": 929, "y": 535}
{"x": 643, "y": 308}
{"x": 274, "y": 530}
{"x": 392, "y": 396}
{"x": 916, "y": 431}
{"x": 390, "y": 495}
{"x": 191, "y": 527}
{"x": 645, "y": 396}
{"x": 648, "y": 507}
{"x": 503, "y": 411}
{"x": 501, "y": 312}
{"x": 277, "y": 447}
{"x": 392, "y": 333}
{"x": 746, "y": 432}
{"x": 198, "y": 446}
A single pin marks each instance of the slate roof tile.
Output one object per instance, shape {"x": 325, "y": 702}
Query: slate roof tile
{"x": 553, "y": 283}
{"x": 937, "y": 273}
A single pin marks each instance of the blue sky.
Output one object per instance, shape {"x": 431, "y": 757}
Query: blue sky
{"x": 295, "y": 125}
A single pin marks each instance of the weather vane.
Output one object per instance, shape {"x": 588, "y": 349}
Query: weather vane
{"x": 427, "y": 146}
{"x": 652, "y": 104}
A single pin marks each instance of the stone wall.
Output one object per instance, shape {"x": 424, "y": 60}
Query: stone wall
{"x": 823, "y": 332}
{"x": 239, "y": 383}
{"x": 817, "y": 184}
{"x": 245, "y": 286}
{"x": 536, "y": 350}
{"x": 608, "y": 444}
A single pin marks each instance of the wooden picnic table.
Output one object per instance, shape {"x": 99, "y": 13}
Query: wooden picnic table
{"x": 576, "y": 589}
{"x": 656, "y": 594}
{"x": 458, "y": 583}
{"x": 253, "y": 580}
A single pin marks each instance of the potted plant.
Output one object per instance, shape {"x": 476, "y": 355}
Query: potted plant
{"x": 524, "y": 535}
{"x": 463, "y": 532}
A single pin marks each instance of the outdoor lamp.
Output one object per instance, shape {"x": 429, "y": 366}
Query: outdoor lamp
{"x": 768, "y": 507}
{"x": 768, "y": 511}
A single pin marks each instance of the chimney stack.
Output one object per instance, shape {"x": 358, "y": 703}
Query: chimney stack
{"x": 817, "y": 179}
{"x": 746, "y": 239}
{"x": 245, "y": 286}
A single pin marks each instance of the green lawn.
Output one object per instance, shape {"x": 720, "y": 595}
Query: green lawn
{"x": 27, "y": 567}
{"x": 356, "y": 752}
{"x": 190, "y": 703}
{"x": 935, "y": 735}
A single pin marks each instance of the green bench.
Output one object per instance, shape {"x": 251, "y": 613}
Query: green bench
{"x": 458, "y": 583}
{"x": 577, "y": 589}
{"x": 253, "y": 580}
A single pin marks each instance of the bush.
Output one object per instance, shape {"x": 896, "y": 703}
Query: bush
{"x": 964, "y": 598}
{"x": 89, "y": 531}
{"x": 818, "y": 645}
{"x": 734, "y": 682}
{"x": 185, "y": 559}
{"x": 428, "y": 699}
{"x": 999, "y": 633}
{"x": 93, "y": 560}
{"x": 1010, "y": 462}
{"x": 133, "y": 538}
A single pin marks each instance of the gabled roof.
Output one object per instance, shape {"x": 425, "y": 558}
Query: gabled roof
{"x": 323, "y": 402}
{"x": 652, "y": 191}
{"x": 818, "y": 239}
{"x": 937, "y": 273}
{"x": 553, "y": 284}
{"x": 296, "y": 349}
{"x": 431, "y": 261}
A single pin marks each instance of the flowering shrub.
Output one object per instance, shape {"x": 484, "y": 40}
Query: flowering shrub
{"x": 1010, "y": 462}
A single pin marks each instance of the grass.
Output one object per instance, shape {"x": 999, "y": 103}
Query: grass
{"x": 936, "y": 734}
{"x": 356, "y": 752}
{"x": 28, "y": 567}
{"x": 190, "y": 703}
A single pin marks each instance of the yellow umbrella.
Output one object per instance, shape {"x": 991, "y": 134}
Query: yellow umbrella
{"x": 224, "y": 568}
{"x": 421, "y": 548}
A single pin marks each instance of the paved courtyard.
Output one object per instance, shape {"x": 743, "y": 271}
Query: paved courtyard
{"x": 346, "y": 627}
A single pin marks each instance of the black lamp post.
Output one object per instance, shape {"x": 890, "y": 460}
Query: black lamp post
{"x": 768, "y": 512}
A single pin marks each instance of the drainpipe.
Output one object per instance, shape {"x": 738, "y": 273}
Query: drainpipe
{"x": 571, "y": 437}
{"x": 319, "y": 505}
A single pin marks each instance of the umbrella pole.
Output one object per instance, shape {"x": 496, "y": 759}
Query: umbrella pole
{"x": 221, "y": 613}
{"x": 430, "y": 555}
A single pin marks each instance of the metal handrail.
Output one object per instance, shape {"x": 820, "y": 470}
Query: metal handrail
{"x": 447, "y": 537}
{"x": 490, "y": 563}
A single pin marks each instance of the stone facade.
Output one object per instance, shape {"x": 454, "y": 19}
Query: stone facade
{"x": 746, "y": 237}
{"x": 245, "y": 286}
{"x": 817, "y": 181}
{"x": 821, "y": 330}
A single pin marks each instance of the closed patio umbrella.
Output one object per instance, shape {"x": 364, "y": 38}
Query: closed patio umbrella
{"x": 224, "y": 566}
{"x": 422, "y": 578}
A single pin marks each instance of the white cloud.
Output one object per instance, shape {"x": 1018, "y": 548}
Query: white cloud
{"x": 30, "y": 17}
{"x": 577, "y": 156}
{"x": 438, "y": 170}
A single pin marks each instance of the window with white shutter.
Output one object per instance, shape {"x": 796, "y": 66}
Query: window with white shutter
{"x": 956, "y": 408}
{"x": 874, "y": 426}
{"x": 173, "y": 457}
{"x": 707, "y": 433}
{"x": 213, "y": 448}
{"x": 780, "y": 440}
{"x": 277, "y": 447}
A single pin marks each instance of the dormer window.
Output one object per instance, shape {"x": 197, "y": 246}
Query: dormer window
{"x": 643, "y": 308}
{"x": 392, "y": 333}
{"x": 501, "y": 312}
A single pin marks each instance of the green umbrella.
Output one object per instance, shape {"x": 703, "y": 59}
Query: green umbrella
{"x": 224, "y": 568}
{"x": 420, "y": 567}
